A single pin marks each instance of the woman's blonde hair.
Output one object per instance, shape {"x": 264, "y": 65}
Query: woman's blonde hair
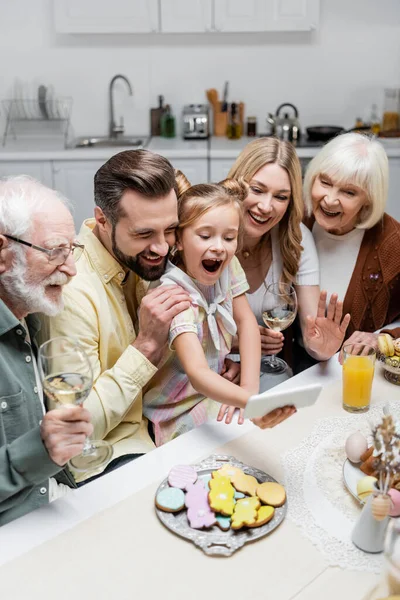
{"x": 194, "y": 201}
{"x": 353, "y": 158}
{"x": 273, "y": 151}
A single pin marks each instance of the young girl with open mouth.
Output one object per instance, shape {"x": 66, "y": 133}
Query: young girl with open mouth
{"x": 188, "y": 386}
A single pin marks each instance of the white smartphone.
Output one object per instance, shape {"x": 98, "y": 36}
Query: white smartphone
{"x": 261, "y": 404}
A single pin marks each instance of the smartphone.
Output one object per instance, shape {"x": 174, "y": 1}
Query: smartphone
{"x": 301, "y": 397}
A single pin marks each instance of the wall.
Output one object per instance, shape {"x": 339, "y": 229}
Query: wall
{"x": 332, "y": 75}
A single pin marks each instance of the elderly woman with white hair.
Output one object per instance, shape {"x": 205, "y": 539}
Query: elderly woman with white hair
{"x": 358, "y": 244}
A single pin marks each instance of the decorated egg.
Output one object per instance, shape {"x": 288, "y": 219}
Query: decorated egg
{"x": 356, "y": 445}
{"x": 395, "y": 506}
{"x": 365, "y": 487}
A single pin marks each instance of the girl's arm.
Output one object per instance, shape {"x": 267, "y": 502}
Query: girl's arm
{"x": 249, "y": 344}
{"x": 203, "y": 379}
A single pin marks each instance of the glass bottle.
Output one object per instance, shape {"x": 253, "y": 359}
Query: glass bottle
{"x": 391, "y": 111}
{"x": 251, "y": 126}
{"x": 234, "y": 130}
{"x": 374, "y": 120}
{"x": 167, "y": 123}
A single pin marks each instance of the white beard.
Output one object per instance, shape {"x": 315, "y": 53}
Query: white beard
{"x": 31, "y": 297}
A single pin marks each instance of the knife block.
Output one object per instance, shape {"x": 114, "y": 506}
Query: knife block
{"x": 220, "y": 121}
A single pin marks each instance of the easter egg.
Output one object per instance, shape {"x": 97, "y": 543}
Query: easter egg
{"x": 356, "y": 445}
{"x": 395, "y": 506}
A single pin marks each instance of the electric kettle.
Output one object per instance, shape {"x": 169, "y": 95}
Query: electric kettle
{"x": 286, "y": 127}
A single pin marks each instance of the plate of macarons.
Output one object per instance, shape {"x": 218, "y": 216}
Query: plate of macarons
{"x": 220, "y": 504}
{"x": 359, "y": 474}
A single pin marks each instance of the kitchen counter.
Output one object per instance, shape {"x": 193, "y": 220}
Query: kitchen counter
{"x": 39, "y": 149}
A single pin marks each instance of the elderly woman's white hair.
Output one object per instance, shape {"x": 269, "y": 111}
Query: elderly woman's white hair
{"x": 356, "y": 159}
{"x": 20, "y": 198}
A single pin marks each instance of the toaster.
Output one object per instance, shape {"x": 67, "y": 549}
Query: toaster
{"x": 195, "y": 122}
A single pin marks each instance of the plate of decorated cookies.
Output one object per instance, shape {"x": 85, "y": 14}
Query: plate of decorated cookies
{"x": 220, "y": 504}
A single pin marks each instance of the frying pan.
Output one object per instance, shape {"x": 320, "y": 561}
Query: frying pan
{"x": 324, "y": 133}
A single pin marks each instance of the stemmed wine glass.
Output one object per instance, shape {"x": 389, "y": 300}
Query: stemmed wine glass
{"x": 279, "y": 309}
{"x": 67, "y": 378}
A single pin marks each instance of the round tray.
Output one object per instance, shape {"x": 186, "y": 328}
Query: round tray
{"x": 213, "y": 541}
{"x": 351, "y": 475}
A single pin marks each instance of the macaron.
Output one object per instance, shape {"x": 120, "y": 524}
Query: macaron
{"x": 385, "y": 344}
{"x": 365, "y": 487}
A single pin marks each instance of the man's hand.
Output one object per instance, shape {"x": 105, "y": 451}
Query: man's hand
{"x": 271, "y": 341}
{"x": 362, "y": 338}
{"x": 231, "y": 371}
{"x": 157, "y": 310}
{"x": 323, "y": 335}
{"x": 274, "y": 418}
{"x": 64, "y": 431}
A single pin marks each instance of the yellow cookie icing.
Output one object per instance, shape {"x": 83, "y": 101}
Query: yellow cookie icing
{"x": 229, "y": 471}
{"x": 221, "y": 494}
{"x": 245, "y": 512}
{"x": 264, "y": 515}
{"x": 245, "y": 483}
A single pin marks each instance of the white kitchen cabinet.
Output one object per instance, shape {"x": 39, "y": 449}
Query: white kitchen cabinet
{"x": 95, "y": 16}
{"x": 195, "y": 169}
{"x": 393, "y": 203}
{"x": 183, "y": 16}
{"x": 265, "y": 15}
{"x": 75, "y": 180}
{"x": 40, "y": 170}
{"x": 220, "y": 168}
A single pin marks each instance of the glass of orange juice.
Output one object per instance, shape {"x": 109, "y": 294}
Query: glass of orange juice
{"x": 358, "y": 373}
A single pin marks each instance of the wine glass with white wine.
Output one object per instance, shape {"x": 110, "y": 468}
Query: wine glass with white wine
{"x": 279, "y": 309}
{"x": 67, "y": 378}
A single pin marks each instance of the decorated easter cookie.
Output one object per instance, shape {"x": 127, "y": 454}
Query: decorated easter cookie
{"x": 221, "y": 494}
{"x": 170, "y": 499}
{"x": 245, "y": 512}
{"x": 271, "y": 493}
{"x": 264, "y": 515}
{"x": 229, "y": 471}
{"x": 199, "y": 513}
{"x": 247, "y": 484}
{"x": 224, "y": 523}
{"x": 239, "y": 495}
{"x": 182, "y": 475}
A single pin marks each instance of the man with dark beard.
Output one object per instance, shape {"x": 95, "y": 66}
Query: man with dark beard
{"x": 130, "y": 238}
{"x": 37, "y": 244}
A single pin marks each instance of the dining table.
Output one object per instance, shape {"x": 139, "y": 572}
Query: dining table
{"x": 105, "y": 540}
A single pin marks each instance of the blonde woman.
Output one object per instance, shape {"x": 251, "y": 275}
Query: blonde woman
{"x": 278, "y": 247}
{"x": 345, "y": 192}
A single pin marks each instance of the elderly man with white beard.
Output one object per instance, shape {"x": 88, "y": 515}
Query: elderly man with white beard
{"x": 37, "y": 244}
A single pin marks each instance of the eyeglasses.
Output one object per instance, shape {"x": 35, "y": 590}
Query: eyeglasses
{"x": 57, "y": 256}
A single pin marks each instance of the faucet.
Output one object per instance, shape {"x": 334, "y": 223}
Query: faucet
{"x": 115, "y": 130}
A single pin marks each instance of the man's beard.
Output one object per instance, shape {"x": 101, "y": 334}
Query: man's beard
{"x": 31, "y": 297}
{"x": 133, "y": 263}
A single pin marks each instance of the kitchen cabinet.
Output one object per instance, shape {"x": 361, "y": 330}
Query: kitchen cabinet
{"x": 118, "y": 16}
{"x": 181, "y": 16}
{"x": 220, "y": 167}
{"x": 393, "y": 203}
{"x": 265, "y": 15}
{"x": 74, "y": 179}
{"x": 195, "y": 169}
{"x": 40, "y": 170}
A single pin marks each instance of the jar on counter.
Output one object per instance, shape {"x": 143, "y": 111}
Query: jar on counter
{"x": 251, "y": 126}
{"x": 391, "y": 116}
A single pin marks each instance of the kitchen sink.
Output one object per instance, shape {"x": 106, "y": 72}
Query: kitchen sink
{"x": 116, "y": 142}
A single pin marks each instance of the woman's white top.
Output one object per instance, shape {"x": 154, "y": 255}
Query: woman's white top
{"x": 337, "y": 258}
{"x": 308, "y": 273}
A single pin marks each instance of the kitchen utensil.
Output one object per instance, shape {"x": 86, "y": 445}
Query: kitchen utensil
{"x": 195, "y": 120}
{"x": 224, "y": 106}
{"x": 323, "y": 133}
{"x": 213, "y": 541}
{"x": 212, "y": 97}
{"x": 42, "y": 92}
{"x": 287, "y": 128}
{"x": 155, "y": 117}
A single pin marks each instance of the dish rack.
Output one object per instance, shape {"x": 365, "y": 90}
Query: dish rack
{"x": 55, "y": 112}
